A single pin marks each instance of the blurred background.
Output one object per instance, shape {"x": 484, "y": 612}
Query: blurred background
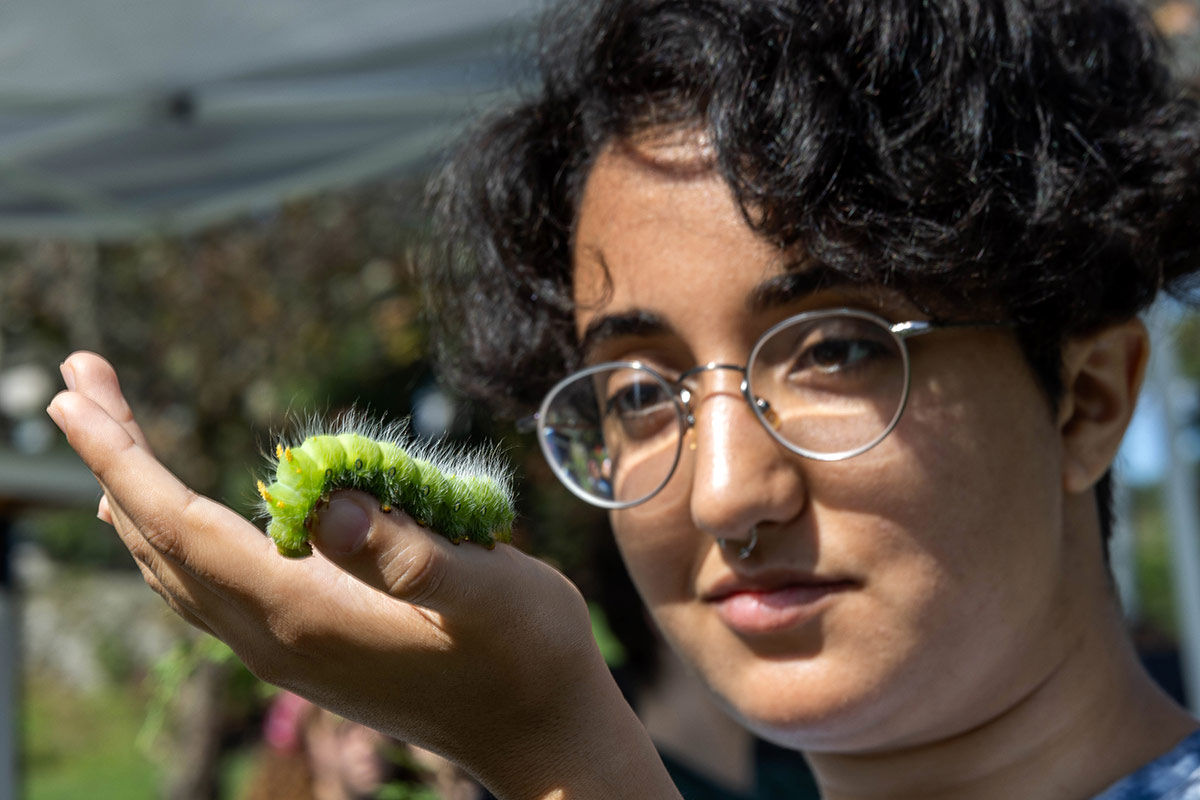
{"x": 222, "y": 198}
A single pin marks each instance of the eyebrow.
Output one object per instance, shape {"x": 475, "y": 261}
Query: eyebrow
{"x": 635, "y": 322}
{"x": 783, "y": 290}
{"x": 775, "y": 292}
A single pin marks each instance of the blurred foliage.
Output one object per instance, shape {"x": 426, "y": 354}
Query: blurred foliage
{"x": 173, "y": 670}
{"x": 74, "y": 536}
{"x": 77, "y": 745}
{"x": 1187, "y": 346}
{"x": 1154, "y": 571}
{"x": 217, "y": 337}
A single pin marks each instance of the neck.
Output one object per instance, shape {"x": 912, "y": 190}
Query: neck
{"x": 1095, "y": 718}
{"x": 686, "y": 723}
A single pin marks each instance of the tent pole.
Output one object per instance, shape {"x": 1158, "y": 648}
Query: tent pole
{"x": 10, "y": 718}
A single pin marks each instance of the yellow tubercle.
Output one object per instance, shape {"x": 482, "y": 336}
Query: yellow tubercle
{"x": 279, "y": 450}
{"x": 287, "y": 453}
{"x": 262, "y": 490}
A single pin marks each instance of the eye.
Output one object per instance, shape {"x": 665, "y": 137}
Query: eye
{"x": 837, "y": 355}
{"x": 835, "y": 352}
{"x": 636, "y": 397}
{"x": 638, "y": 407}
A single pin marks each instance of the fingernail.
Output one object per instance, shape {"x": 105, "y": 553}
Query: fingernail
{"x": 68, "y": 375}
{"x": 341, "y": 528}
{"x": 57, "y": 416}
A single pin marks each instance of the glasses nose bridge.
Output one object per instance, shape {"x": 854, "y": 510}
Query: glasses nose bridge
{"x": 685, "y": 393}
{"x": 711, "y": 366}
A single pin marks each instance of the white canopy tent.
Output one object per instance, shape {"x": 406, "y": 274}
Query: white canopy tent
{"x": 118, "y": 116}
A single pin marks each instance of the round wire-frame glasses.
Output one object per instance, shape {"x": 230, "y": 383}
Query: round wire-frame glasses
{"x": 549, "y": 425}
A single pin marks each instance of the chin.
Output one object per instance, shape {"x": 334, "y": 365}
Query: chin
{"x": 814, "y": 707}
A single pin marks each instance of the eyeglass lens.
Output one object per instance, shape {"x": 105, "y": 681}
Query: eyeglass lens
{"x": 826, "y": 386}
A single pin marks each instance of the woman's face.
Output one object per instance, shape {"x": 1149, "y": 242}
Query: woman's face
{"x": 897, "y": 597}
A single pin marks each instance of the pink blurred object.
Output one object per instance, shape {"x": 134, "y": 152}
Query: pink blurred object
{"x": 281, "y": 728}
{"x": 1177, "y": 18}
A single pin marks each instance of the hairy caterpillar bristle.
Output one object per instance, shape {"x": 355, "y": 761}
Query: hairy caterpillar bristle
{"x": 465, "y": 495}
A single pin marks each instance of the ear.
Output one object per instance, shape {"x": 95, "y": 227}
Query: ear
{"x": 1102, "y": 375}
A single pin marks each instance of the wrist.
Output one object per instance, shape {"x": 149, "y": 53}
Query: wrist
{"x": 591, "y": 746}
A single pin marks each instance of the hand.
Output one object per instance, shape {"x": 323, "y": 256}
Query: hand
{"x": 484, "y": 656}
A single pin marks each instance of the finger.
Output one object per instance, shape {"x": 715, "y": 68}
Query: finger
{"x": 389, "y": 551}
{"x": 171, "y": 600}
{"x": 207, "y": 540}
{"x": 184, "y": 593}
{"x": 211, "y": 566}
{"x": 103, "y": 510}
{"x": 92, "y": 376}
{"x": 147, "y": 560}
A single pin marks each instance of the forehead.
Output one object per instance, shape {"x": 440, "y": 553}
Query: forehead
{"x": 657, "y": 221}
{"x": 660, "y": 234}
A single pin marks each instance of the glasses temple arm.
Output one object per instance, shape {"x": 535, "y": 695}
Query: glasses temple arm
{"x": 918, "y": 327}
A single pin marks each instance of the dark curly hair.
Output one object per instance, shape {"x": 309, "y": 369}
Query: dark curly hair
{"x": 1030, "y": 157}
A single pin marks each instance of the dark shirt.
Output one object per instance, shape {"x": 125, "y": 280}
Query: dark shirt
{"x": 778, "y": 773}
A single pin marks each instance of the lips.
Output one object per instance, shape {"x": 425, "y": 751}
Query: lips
{"x": 769, "y": 604}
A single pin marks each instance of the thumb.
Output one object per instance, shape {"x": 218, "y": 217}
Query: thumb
{"x": 340, "y": 529}
{"x": 391, "y": 552}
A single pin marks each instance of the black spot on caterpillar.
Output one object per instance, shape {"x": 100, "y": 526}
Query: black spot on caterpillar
{"x": 463, "y": 495}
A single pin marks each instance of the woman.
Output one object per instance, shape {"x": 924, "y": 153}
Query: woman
{"x": 834, "y": 306}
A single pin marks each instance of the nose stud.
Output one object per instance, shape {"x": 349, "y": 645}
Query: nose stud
{"x": 745, "y": 546}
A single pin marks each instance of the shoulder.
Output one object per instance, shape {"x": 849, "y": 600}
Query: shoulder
{"x": 1172, "y": 776}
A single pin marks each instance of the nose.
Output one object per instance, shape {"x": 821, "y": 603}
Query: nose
{"x": 741, "y": 477}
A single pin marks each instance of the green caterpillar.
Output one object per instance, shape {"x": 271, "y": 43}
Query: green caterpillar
{"x": 463, "y": 495}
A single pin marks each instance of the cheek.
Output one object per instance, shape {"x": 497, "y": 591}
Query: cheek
{"x": 661, "y": 549}
{"x": 983, "y": 450}
{"x": 961, "y": 530}
{"x": 975, "y": 487}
